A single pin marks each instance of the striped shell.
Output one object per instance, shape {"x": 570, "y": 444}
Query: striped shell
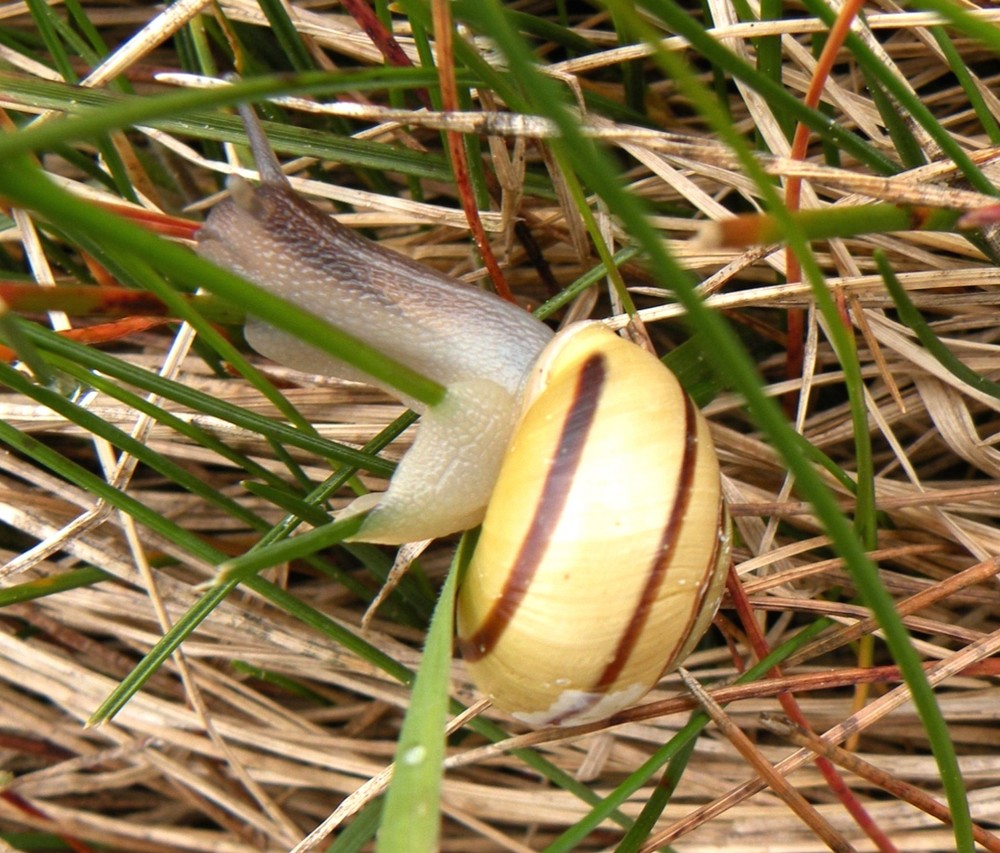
{"x": 599, "y": 570}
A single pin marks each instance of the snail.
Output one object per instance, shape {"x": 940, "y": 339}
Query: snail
{"x": 604, "y": 542}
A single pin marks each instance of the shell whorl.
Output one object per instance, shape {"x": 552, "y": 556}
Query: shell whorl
{"x": 601, "y": 563}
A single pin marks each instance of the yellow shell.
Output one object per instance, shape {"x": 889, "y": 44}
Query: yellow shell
{"x": 604, "y": 549}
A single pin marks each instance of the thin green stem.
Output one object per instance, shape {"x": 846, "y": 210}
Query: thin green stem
{"x": 909, "y": 314}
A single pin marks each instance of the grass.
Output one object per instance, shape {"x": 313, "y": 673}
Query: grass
{"x": 140, "y": 459}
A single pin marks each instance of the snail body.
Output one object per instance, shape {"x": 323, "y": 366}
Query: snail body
{"x": 605, "y": 540}
{"x": 475, "y": 344}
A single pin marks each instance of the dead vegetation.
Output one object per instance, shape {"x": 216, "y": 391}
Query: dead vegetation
{"x": 262, "y": 727}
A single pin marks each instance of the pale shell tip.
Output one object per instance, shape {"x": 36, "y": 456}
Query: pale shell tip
{"x": 578, "y": 707}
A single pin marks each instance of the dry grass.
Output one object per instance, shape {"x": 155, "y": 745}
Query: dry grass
{"x": 208, "y": 758}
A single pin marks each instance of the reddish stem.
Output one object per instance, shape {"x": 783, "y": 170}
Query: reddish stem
{"x": 21, "y": 804}
{"x": 443, "y": 35}
{"x": 365, "y": 17}
{"x": 101, "y": 333}
{"x": 793, "y": 186}
{"x": 791, "y": 708}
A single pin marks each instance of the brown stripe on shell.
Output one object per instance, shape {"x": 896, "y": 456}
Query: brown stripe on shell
{"x": 713, "y": 565}
{"x": 558, "y": 481}
{"x": 665, "y": 553}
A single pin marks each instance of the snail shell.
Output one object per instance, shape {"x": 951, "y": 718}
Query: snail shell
{"x": 604, "y": 549}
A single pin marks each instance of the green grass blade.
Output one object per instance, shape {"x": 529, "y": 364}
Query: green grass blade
{"x": 964, "y": 77}
{"x": 360, "y": 830}
{"x": 288, "y": 37}
{"x": 44, "y": 18}
{"x": 99, "y": 488}
{"x": 573, "y": 837}
{"x": 634, "y": 839}
{"x": 207, "y": 404}
{"x": 52, "y": 585}
{"x": 87, "y": 122}
{"x": 411, "y": 818}
{"x": 909, "y": 102}
{"x": 902, "y": 137}
{"x": 271, "y": 554}
{"x": 677, "y": 20}
{"x": 911, "y": 317}
{"x": 123, "y": 441}
{"x": 164, "y": 418}
{"x": 964, "y": 21}
{"x": 23, "y": 183}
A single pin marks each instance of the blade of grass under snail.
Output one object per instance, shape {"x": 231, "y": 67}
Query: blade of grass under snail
{"x": 411, "y": 816}
{"x": 413, "y": 590}
{"x": 731, "y": 360}
{"x": 402, "y": 605}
